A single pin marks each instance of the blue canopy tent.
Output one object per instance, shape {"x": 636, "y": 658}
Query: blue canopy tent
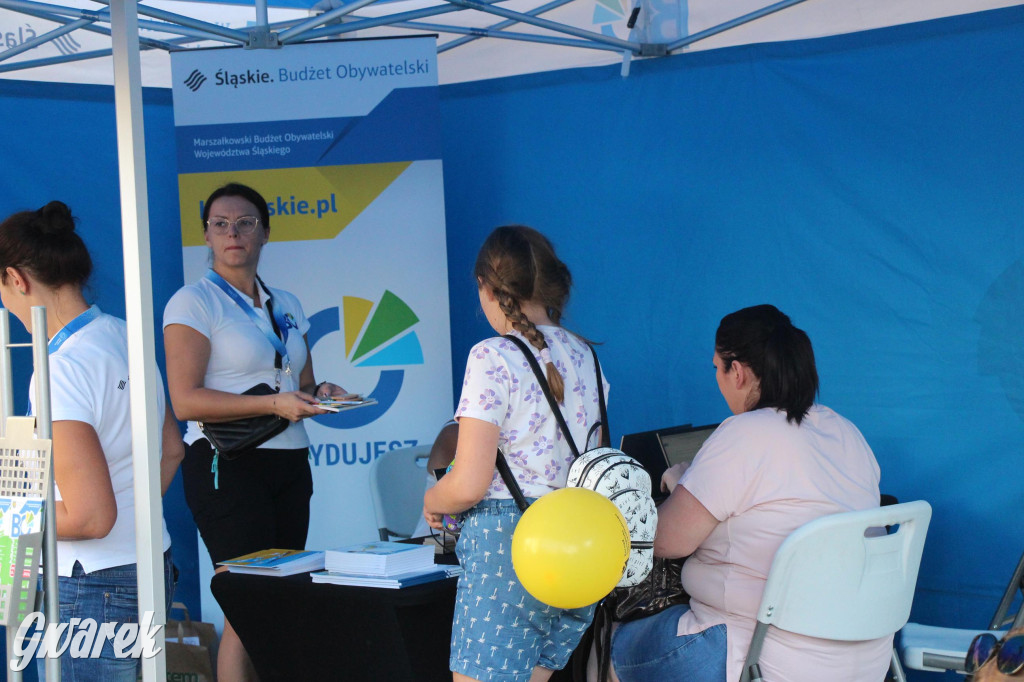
{"x": 759, "y": 156}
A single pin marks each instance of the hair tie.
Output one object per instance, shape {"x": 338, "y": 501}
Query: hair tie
{"x": 545, "y": 355}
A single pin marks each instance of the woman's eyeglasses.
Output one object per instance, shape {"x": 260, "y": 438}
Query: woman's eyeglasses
{"x": 245, "y": 225}
{"x": 1009, "y": 653}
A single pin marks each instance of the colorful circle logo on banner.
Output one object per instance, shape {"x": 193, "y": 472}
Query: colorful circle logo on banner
{"x": 570, "y": 547}
{"x": 378, "y": 335}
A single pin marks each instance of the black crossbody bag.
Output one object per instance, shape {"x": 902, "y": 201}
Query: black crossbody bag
{"x": 231, "y": 438}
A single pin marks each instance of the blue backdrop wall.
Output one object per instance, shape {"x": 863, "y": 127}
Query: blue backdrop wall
{"x": 869, "y": 185}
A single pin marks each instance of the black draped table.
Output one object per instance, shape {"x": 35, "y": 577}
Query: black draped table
{"x": 294, "y": 629}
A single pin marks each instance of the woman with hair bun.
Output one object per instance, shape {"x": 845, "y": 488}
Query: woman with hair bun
{"x": 782, "y": 460}
{"x": 43, "y": 262}
{"x": 500, "y": 632}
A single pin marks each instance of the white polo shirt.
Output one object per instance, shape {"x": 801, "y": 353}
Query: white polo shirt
{"x": 89, "y": 384}
{"x": 241, "y": 356}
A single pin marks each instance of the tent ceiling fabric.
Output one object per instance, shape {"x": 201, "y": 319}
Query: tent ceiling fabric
{"x": 477, "y": 39}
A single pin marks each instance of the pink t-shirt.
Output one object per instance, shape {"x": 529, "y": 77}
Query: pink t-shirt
{"x": 763, "y": 477}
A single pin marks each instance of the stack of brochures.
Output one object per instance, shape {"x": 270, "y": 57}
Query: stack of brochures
{"x": 380, "y": 558}
{"x": 394, "y": 582}
{"x": 276, "y": 562}
{"x": 382, "y": 564}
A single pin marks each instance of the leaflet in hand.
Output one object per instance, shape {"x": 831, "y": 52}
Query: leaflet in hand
{"x": 276, "y": 562}
{"x": 346, "y": 403}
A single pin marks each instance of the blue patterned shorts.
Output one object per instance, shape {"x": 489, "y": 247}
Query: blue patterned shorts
{"x": 500, "y": 633}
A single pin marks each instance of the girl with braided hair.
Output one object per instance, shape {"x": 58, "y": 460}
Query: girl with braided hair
{"x": 500, "y": 633}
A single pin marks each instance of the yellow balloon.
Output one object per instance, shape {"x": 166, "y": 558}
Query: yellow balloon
{"x": 570, "y": 547}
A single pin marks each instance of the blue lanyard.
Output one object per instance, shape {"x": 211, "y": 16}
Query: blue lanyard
{"x": 72, "y": 327}
{"x": 65, "y": 333}
{"x": 277, "y": 342}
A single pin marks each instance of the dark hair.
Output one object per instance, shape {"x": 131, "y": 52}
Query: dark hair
{"x": 45, "y": 245}
{"x": 520, "y": 265}
{"x": 779, "y": 355}
{"x": 235, "y": 189}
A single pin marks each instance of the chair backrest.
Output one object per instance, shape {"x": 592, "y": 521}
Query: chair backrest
{"x": 833, "y": 578}
{"x": 1014, "y": 593}
{"x": 397, "y": 482}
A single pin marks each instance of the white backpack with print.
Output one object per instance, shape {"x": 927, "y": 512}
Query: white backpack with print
{"x": 622, "y": 480}
{"x": 605, "y": 470}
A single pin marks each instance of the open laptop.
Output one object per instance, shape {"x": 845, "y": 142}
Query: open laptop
{"x": 662, "y": 448}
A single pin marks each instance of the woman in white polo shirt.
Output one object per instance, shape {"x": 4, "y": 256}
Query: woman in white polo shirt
{"x": 223, "y": 335}
{"x": 43, "y": 262}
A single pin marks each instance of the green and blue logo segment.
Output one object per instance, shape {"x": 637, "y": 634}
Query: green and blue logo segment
{"x": 607, "y": 13}
{"x": 378, "y": 335}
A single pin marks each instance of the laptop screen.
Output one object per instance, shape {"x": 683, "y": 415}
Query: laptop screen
{"x": 683, "y": 446}
{"x": 659, "y": 449}
{"x": 645, "y": 447}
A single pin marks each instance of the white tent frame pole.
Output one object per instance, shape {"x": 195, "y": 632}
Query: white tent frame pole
{"x": 206, "y": 29}
{"x": 548, "y": 24}
{"x": 510, "y": 35}
{"x": 262, "y": 15}
{"x": 262, "y": 35}
{"x": 138, "y": 277}
{"x": 6, "y": 386}
{"x": 195, "y": 29}
{"x": 322, "y": 19}
{"x": 45, "y": 38}
{"x": 360, "y": 24}
{"x": 7, "y": 410}
{"x": 78, "y": 57}
{"x": 535, "y": 12}
{"x": 732, "y": 23}
{"x": 27, "y": 8}
{"x": 44, "y": 430}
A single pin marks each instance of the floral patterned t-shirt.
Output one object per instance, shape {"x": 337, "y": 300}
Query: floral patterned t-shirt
{"x": 500, "y": 388}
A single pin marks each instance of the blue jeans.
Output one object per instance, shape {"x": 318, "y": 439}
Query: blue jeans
{"x": 649, "y": 649}
{"x": 109, "y": 595}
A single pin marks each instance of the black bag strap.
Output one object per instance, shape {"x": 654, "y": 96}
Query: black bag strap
{"x": 510, "y": 481}
{"x": 606, "y": 434}
{"x": 273, "y": 322}
{"x": 542, "y": 380}
{"x": 502, "y": 463}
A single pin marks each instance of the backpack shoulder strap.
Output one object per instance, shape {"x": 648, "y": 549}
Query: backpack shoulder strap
{"x": 606, "y": 436}
{"x": 542, "y": 380}
{"x": 510, "y": 481}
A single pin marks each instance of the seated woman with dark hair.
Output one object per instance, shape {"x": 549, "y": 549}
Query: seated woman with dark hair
{"x": 782, "y": 460}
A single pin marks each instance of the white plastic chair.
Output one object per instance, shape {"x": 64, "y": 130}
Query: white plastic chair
{"x": 398, "y": 479}
{"x": 834, "y": 578}
{"x": 937, "y": 649}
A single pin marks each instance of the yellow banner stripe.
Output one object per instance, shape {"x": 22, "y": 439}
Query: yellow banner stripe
{"x": 305, "y": 203}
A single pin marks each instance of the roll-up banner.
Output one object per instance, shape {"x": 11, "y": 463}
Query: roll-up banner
{"x": 343, "y": 140}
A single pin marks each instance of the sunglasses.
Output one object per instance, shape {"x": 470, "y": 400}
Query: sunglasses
{"x": 1009, "y": 653}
